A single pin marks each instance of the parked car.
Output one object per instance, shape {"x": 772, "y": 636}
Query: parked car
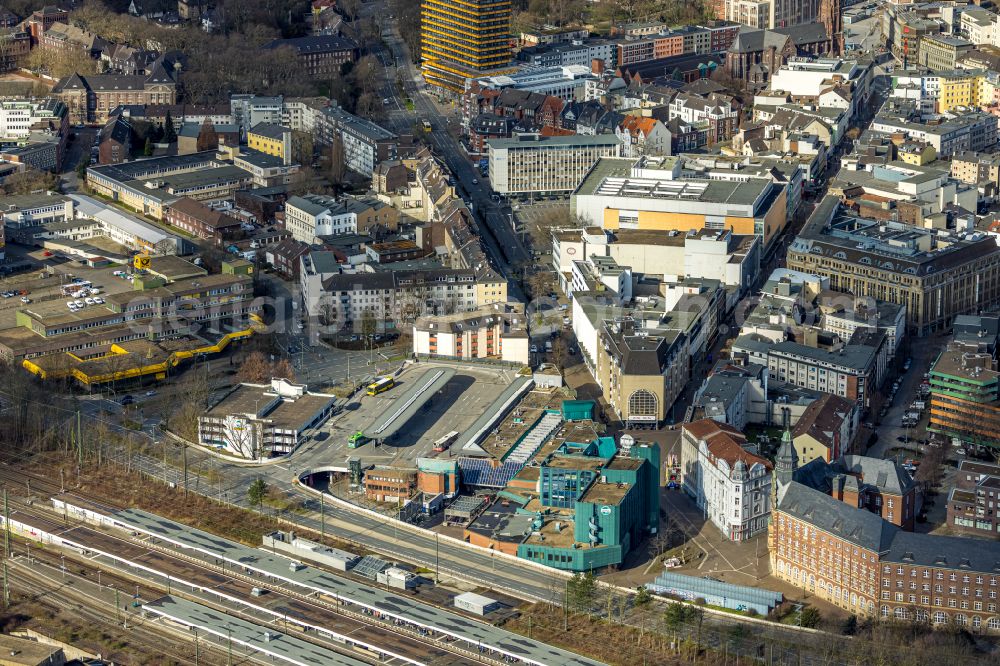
{"x": 25, "y": 299}
{"x": 534, "y": 349}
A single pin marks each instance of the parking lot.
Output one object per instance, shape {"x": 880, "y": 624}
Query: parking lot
{"x": 455, "y": 408}
{"x": 45, "y": 282}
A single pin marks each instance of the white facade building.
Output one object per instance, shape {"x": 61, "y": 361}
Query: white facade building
{"x": 567, "y": 82}
{"x": 731, "y": 485}
{"x": 18, "y": 116}
{"x": 980, "y": 26}
{"x": 531, "y": 163}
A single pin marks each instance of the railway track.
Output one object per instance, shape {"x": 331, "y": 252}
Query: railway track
{"x": 43, "y": 578}
{"x": 277, "y": 605}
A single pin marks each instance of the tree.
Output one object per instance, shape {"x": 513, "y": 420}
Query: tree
{"x": 677, "y": 615}
{"x": 580, "y": 591}
{"x": 407, "y": 13}
{"x": 850, "y": 626}
{"x": 255, "y": 369}
{"x": 208, "y": 138}
{"x": 28, "y": 181}
{"x": 369, "y": 325}
{"x": 283, "y": 368}
{"x": 338, "y": 170}
{"x": 809, "y": 617}
{"x": 169, "y": 133}
{"x": 257, "y": 492}
{"x": 642, "y": 596}
{"x": 303, "y": 149}
{"x": 560, "y": 352}
{"x": 147, "y": 149}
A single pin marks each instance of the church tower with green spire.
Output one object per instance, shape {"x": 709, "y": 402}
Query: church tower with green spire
{"x": 786, "y": 461}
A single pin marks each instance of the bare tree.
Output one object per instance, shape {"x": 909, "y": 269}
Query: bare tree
{"x": 254, "y": 369}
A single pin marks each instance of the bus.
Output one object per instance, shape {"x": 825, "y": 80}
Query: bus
{"x": 383, "y": 384}
{"x": 356, "y": 440}
{"x": 442, "y": 444}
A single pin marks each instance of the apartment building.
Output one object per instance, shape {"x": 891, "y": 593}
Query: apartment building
{"x": 826, "y": 429}
{"x": 494, "y": 332}
{"x": 535, "y": 164}
{"x": 461, "y": 40}
{"x": 979, "y": 25}
{"x": 400, "y": 297}
{"x": 262, "y": 421}
{"x": 715, "y": 114}
{"x": 956, "y": 132}
{"x": 850, "y": 372}
{"x": 731, "y": 485}
{"x": 936, "y": 275}
{"x": 199, "y": 220}
{"x": 974, "y": 502}
{"x": 643, "y": 136}
{"x": 976, "y": 168}
{"x": 314, "y": 215}
{"x": 115, "y": 141}
{"x": 753, "y": 13}
{"x": 364, "y": 143}
{"x": 271, "y": 139}
{"x": 651, "y": 194}
{"x": 249, "y": 110}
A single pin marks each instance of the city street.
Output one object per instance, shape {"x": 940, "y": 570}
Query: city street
{"x": 502, "y": 242}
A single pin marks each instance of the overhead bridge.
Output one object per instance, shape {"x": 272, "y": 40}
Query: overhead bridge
{"x": 409, "y": 401}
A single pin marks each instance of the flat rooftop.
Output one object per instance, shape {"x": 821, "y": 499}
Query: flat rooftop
{"x": 966, "y": 365}
{"x": 172, "y": 267}
{"x": 279, "y": 647}
{"x": 406, "y": 405}
{"x": 606, "y": 493}
{"x": 583, "y": 463}
{"x": 519, "y": 421}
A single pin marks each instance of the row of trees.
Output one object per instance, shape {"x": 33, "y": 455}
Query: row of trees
{"x": 215, "y": 65}
{"x": 533, "y": 14}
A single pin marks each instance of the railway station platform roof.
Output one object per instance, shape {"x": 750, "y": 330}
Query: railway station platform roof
{"x": 408, "y": 403}
{"x": 322, "y": 582}
{"x": 280, "y": 648}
